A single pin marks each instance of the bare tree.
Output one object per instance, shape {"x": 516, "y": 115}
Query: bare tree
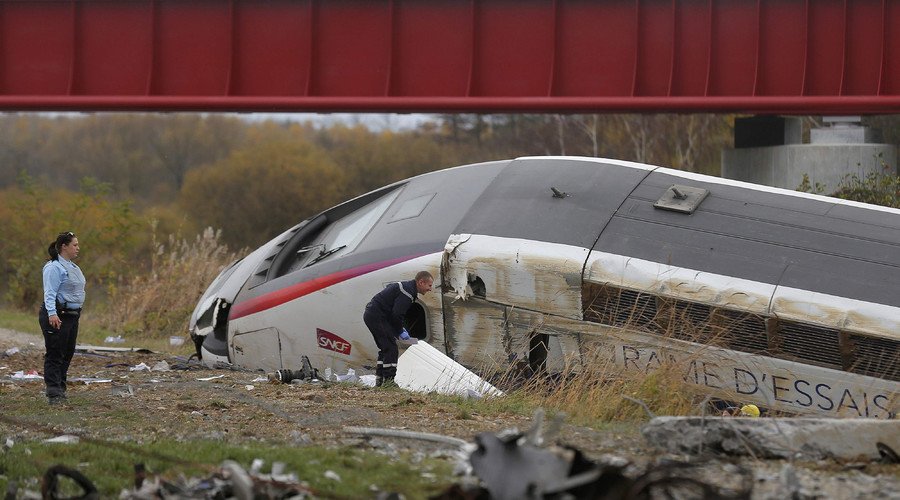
{"x": 588, "y": 125}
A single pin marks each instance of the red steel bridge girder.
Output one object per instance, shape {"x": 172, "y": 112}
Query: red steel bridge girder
{"x": 755, "y": 56}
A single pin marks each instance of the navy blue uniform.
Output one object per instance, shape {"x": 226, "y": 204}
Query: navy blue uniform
{"x": 384, "y": 318}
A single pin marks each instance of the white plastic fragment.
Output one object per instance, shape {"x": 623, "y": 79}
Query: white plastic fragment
{"x": 422, "y": 368}
{"x": 349, "y": 377}
{"x": 207, "y": 379}
{"x": 27, "y": 375}
{"x": 367, "y": 380}
{"x": 90, "y": 380}
{"x": 140, "y": 368}
{"x": 330, "y": 474}
{"x": 11, "y": 351}
{"x": 65, "y": 439}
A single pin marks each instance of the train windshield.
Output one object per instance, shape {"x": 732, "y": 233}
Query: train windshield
{"x": 343, "y": 236}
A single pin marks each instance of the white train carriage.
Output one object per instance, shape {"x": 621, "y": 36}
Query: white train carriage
{"x": 786, "y": 299}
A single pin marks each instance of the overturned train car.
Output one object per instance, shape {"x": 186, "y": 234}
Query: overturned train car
{"x": 758, "y": 294}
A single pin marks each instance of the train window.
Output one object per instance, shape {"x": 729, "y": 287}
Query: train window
{"x": 412, "y": 208}
{"x": 345, "y": 234}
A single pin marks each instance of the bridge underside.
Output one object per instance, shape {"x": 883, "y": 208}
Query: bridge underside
{"x": 754, "y": 56}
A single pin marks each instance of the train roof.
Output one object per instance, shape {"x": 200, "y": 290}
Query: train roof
{"x": 752, "y": 232}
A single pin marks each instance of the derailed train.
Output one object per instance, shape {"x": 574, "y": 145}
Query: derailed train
{"x": 786, "y": 299}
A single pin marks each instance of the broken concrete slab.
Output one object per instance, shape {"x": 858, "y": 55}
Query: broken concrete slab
{"x": 422, "y": 368}
{"x": 809, "y": 438}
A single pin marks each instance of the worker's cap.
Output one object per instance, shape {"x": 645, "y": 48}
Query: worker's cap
{"x": 749, "y": 411}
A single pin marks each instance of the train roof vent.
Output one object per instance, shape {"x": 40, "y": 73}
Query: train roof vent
{"x": 684, "y": 199}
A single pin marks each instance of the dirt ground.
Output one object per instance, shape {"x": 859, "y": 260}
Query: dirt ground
{"x": 242, "y": 405}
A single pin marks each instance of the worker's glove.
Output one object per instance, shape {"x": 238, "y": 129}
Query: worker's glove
{"x": 406, "y": 339}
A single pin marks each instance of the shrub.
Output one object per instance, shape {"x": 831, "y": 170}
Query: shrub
{"x": 159, "y": 303}
{"x": 877, "y": 188}
{"x": 32, "y": 215}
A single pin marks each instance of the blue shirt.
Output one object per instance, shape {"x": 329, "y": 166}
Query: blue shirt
{"x": 63, "y": 283}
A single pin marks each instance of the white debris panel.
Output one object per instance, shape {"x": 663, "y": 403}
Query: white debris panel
{"x": 422, "y": 368}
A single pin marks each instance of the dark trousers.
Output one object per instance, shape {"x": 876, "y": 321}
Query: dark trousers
{"x": 385, "y": 339}
{"x": 60, "y": 347}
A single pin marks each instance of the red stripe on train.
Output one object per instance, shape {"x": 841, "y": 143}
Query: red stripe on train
{"x": 298, "y": 290}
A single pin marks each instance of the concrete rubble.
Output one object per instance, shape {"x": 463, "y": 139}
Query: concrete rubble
{"x": 806, "y": 438}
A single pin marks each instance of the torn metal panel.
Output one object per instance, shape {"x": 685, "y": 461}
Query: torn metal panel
{"x": 744, "y": 295}
{"x": 675, "y": 282}
{"x": 836, "y": 312}
{"x": 476, "y": 333}
{"x": 528, "y": 274}
{"x": 455, "y": 277}
{"x": 542, "y": 340}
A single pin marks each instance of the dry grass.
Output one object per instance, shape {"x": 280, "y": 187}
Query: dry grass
{"x": 601, "y": 391}
{"x": 595, "y": 387}
{"x": 159, "y": 303}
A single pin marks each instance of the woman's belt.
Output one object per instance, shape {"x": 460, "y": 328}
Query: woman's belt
{"x": 69, "y": 311}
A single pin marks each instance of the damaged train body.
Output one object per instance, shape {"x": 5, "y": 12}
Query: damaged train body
{"x": 784, "y": 299}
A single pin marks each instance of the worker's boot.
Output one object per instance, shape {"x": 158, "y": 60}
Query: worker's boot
{"x": 379, "y": 380}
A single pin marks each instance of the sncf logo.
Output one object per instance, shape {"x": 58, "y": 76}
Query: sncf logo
{"x": 332, "y": 342}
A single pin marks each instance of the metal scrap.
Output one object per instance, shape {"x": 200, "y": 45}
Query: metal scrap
{"x": 516, "y": 465}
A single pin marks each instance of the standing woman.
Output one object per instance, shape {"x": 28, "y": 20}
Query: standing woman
{"x": 63, "y": 298}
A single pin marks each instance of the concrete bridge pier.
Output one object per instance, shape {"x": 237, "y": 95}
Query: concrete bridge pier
{"x": 769, "y": 150}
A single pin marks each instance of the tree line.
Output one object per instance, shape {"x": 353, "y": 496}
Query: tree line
{"x": 124, "y": 181}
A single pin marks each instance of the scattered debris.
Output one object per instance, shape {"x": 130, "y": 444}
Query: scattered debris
{"x": 50, "y": 486}
{"x": 90, "y": 380}
{"x": 142, "y": 367}
{"x": 350, "y": 377}
{"x": 161, "y": 366}
{"x": 397, "y": 433}
{"x": 65, "y": 438}
{"x": 207, "y": 379}
{"x": 229, "y": 481}
{"x": 334, "y": 476}
{"x": 85, "y": 348}
{"x": 27, "y": 375}
{"x": 306, "y": 372}
{"x": 176, "y": 341}
{"x": 123, "y": 391}
{"x": 514, "y": 465}
{"x": 11, "y": 351}
{"x": 118, "y": 339}
{"x": 811, "y": 438}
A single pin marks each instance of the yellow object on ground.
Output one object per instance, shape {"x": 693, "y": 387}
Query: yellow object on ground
{"x": 749, "y": 411}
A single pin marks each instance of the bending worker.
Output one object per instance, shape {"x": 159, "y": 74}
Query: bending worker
{"x": 384, "y": 318}
{"x": 58, "y": 317}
